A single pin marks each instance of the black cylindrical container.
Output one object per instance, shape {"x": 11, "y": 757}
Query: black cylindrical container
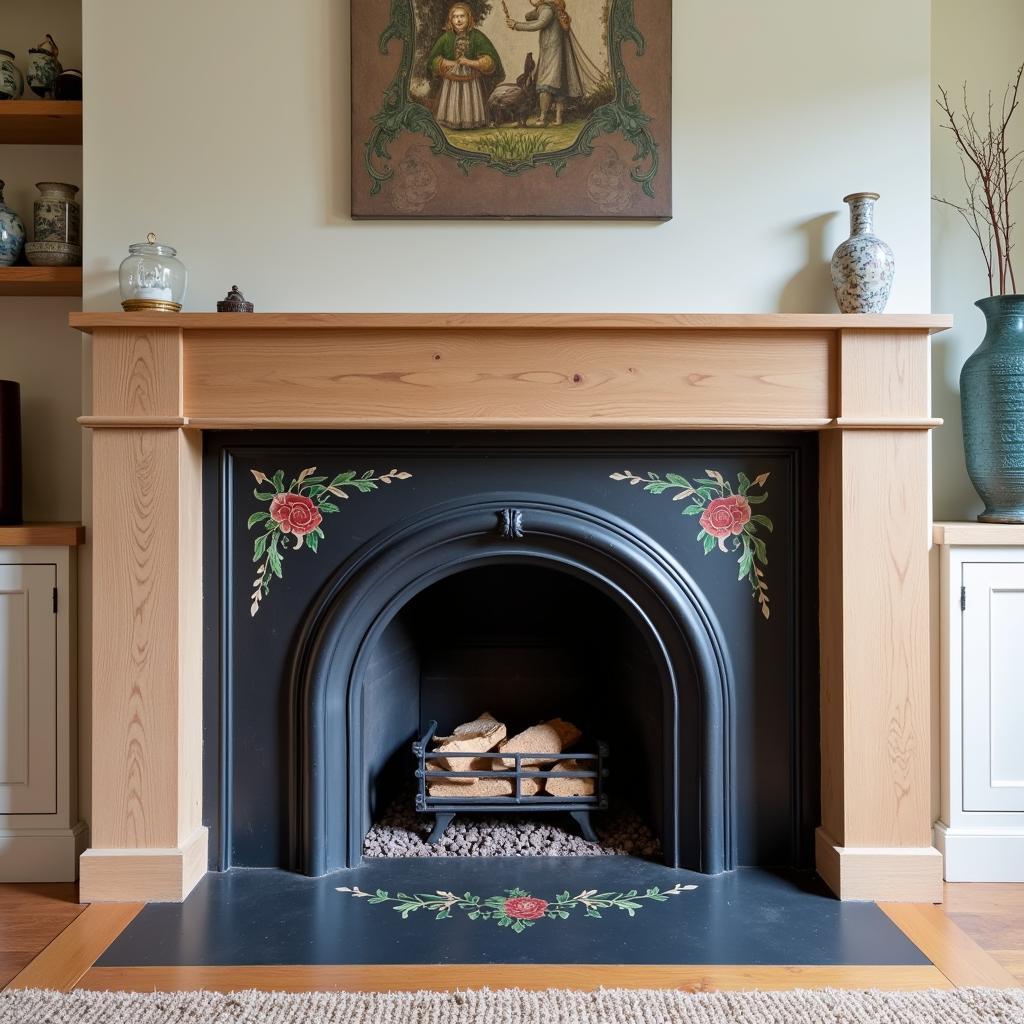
{"x": 10, "y": 452}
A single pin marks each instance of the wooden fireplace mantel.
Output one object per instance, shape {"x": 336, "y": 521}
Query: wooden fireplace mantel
{"x": 159, "y": 380}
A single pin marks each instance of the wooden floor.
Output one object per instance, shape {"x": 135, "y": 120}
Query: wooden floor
{"x": 48, "y": 940}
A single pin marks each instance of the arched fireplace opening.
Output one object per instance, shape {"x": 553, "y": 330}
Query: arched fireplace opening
{"x": 529, "y": 609}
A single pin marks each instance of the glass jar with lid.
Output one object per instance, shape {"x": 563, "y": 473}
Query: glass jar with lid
{"x": 152, "y": 278}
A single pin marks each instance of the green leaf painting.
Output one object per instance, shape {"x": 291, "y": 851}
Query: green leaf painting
{"x": 727, "y": 520}
{"x": 517, "y": 910}
{"x": 295, "y": 515}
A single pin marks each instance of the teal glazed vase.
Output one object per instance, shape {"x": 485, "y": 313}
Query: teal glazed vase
{"x": 992, "y": 407}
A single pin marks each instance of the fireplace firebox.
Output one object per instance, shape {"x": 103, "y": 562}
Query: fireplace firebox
{"x": 644, "y": 586}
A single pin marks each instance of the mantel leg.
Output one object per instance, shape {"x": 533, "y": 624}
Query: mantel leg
{"x": 875, "y": 838}
{"x": 147, "y": 834}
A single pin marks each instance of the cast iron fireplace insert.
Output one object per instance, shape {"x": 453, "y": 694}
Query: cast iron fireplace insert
{"x": 419, "y": 601}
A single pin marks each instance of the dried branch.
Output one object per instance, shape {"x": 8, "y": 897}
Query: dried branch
{"x": 991, "y": 175}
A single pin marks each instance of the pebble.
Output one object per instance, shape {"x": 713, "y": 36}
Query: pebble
{"x": 402, "y": 832}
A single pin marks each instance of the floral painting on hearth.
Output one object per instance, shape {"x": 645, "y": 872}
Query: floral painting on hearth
{"x": 511, "y": 108}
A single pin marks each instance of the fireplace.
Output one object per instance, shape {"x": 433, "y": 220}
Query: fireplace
{"x": 857, "y": 385}
{"x": 531, "y": 576}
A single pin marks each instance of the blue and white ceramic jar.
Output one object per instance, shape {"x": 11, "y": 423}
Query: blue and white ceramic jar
{"x": 43, "y": 68}
{"x": 12, "y": 234}
{"x": 12, "y": 82}
{"x": 863, "y": 265}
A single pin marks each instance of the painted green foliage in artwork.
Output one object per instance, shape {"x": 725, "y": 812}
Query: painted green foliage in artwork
{"x": 623, "y": 114}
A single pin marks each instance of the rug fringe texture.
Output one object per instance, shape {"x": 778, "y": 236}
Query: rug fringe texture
{"x": 517, "y": 1006}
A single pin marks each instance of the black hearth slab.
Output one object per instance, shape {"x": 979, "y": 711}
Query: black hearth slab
{"x": 750, "y": 916}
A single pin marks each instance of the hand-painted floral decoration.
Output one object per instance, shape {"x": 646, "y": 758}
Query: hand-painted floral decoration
{"x": 726, "y": 518}
{"x": 295, "y": 515}
{"x": 517, "y": 909}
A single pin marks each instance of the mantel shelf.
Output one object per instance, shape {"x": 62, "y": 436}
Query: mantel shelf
{"x": 40, "y": 281}
{"x": 41, "y": 122}
{"x": 517, "y": 321}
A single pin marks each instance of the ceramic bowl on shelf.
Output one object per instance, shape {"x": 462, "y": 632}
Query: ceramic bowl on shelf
{"x": 53, "y": 254}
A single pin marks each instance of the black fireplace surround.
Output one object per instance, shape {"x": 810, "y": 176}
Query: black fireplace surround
{"x": 529, "y": 574}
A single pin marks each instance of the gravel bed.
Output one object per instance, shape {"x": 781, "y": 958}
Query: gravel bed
{"x": 402, "y": 832}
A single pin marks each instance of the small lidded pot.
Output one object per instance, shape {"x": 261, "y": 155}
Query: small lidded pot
{"x": 12, "y": 82}
{"x": 152, "y": 278}
{"x": 43, "y": 68}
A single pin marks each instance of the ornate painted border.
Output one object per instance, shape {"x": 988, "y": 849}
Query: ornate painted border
{"x": 727, "y": 522}
{"x": 517, "y": 909}
{"x": 295, "y": 514}
{"x": 624, "y": 114}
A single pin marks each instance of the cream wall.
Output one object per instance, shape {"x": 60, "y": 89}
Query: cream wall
{"x": 981, "y": 44}
{"x": 36, "y": 347}
{"x": 225, "y": 130}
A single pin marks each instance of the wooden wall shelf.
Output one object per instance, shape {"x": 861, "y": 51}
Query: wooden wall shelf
{"x": 41, "y": 122}
{"x": 42, "y": 535}
{"x": 36, "y": 281}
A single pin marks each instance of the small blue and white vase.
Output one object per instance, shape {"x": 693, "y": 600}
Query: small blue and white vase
{"x": 43, "y": 68}
{"x": 12, "y": 234}
{"x": 12, "y": 82}
{"x": 863, "y": 265}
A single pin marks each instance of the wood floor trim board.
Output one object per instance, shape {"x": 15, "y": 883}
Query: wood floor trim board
{"x": 63, "y": 962}
{"x": 948, "y": 947}
{"x": 444, "y": 977}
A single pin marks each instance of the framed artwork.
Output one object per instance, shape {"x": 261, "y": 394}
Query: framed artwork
{"x": 511, "y": 108}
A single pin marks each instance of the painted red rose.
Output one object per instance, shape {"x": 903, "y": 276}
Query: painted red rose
{"x": 526, "y": 908}
{"x": 725, "y": 516}
{"x": 296, "y": 513}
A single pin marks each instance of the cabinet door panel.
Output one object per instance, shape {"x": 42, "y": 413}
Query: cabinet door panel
{"x": 993, "y": 687}
{"x": 28, "y": 690}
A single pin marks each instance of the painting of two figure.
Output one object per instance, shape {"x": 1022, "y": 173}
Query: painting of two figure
{"x": 511, "y": 108}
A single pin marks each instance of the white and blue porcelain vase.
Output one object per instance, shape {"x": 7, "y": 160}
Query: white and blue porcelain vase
{"x": 863, "y": 265}
{"x": 12, "y": 82}
{"x": 12, "y": 233}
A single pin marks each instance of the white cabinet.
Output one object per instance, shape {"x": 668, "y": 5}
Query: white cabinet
{"x": 28, "y": 689}
{"x": 980, "y": 830}
{"x": 40, "y": 835}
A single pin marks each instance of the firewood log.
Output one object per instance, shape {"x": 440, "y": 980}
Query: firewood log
{"x": 476, "y": 737}
{"x": 551, "y": 737}
{"x": 570, "y": 786}
{"x": 483, "y": 787}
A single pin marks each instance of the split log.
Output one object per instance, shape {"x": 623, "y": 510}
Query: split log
{"x": 551, "y": 737}
{"x": 571, "y": 786}
{"x": 460, "y": 764}
{"x": 476, "y": 737}
{"x": 484, "y": 787}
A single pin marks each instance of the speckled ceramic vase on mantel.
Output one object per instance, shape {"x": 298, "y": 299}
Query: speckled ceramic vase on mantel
{"x": 992, "y": 407}
{"x": 863, "y": 265}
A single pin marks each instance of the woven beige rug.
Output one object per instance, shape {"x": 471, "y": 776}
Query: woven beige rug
{"x": 516, "y": 1006}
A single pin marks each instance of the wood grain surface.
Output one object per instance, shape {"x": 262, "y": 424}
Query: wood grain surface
{"x": 505, "y": 321}
{"x": 957, "y": 955}
{"x": 147, "y": 678}
{"x": 445, "y": 977}
{"x": 529, "y": 379}
{"x": 42, "y": 535}
{"x": 875, "y": 667}
{"x": 63, "y": 962}
{"x": 137, "y": 372}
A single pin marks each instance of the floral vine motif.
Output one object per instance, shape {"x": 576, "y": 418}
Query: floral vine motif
{"x": 295, "y": 515}
{"x": 517, "y": 909}
{"x": 726, "y": 518}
